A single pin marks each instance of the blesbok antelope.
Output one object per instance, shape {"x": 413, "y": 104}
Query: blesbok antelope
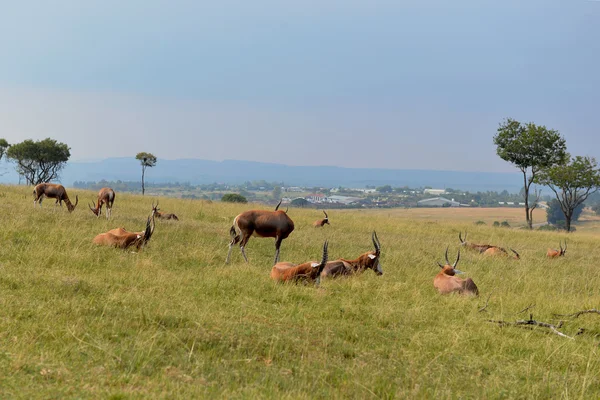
{"x": 105, "y": 196}
{"x": 321, "y": 222}
{"x": 53, "y": 191}
{"x": 500, "y": 251}
{"x": 368, "y": 260}
{"x": 487, "y": 249}
{"x": 123, "y": 239}
{"x": 162, "y": 215}
{"x": 446, "y": 281}
{"x": 552, "y": 253}
{"x": 308, "y": 272}
{"x": 477, "y": 247}
{"x": 275, "y": 224}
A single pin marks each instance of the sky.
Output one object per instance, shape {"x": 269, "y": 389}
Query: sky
{"x": 376, "y": 83}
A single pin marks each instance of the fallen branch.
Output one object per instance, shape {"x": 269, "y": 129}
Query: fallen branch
{"x": 529, "y": 307}
{"x": 531, "y": 321}
{"x": 486, "y": 302}
{"x": 577, "y": 314}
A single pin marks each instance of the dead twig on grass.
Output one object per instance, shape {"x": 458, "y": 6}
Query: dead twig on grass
{"x": 482, "y": 309}
{"x": 531, "y": 321}
{"x": 529, "y": 307}
{"x": 578, "y": 313}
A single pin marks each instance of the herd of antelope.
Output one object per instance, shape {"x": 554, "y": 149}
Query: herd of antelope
{"x": 278, "y": 225}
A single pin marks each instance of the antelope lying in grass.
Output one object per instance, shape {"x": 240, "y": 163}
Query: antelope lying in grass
{"x": 53, "y": 191}
{"x": 446, "y": 281}
{"x": 105, "y": 196}
{"x": 487, "y": 249}
{"x": 308, "y": 272}
{"x": 162, "y": 215}
{"x": 321, "y": 222}
{"x": 552, "y": 253}
{"x": 123, "y": 239}
{"x": 275, "y": 224}
{"x": 368, "y": 260}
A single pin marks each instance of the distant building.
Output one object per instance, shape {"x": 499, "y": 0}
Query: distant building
{"x": 316, "y": 198}
{"x": 437, "y": 202}
{"x": 346, "y": 200}
{"x": 435, "y": 192}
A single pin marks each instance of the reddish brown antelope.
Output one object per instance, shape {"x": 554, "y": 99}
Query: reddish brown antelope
{"x": 368, "y": 260}
{"x": 321, "y": 222}
{"x": 275, "y": 224}
{"x": 477, "y": 247}
{"x": 487, "y": 249}
{"x": 446, "y": 281}
{"x": 123, "y": 239}
{"x": 500, "y": 251}
{"x": 552, "y": 253}
{"x": 307, "y": 272}
{"x": 105, "y": 196}
{"x": 53, "y": 191}
{"x": 162, "y": 215}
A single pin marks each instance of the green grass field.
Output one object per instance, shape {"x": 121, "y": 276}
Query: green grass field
{"x": 82, "y": 321}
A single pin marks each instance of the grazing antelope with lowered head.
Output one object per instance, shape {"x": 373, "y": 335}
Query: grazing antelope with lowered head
{"x": 308, "y": 272}
{"x": 105, "y": 196}
{"x": 446, "y": 281}
{"x": 123, "y": 239}
{"x": 162, "y": 215}
{"x": 368, "y": 260}
{"x": 53, "y": 191}
{"x": 552, "y": 253}
{"x": 321, "y": 222}
{"x": 275, "y": 224}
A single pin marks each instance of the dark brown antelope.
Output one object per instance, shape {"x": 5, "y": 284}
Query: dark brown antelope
{"x": 53, "y": 191}
{"x": 446, "y": 281}
{"x": 123, "y": 239}
{"x": 321, "y": 222}
{"x": 162, "y": 215}
{"x": 105, "y": 196}
{"x": 552, "y": 253}
{"x": 275, "y": 224}
{"x": 307, "y": 272}
{"x": 368, "y": 260}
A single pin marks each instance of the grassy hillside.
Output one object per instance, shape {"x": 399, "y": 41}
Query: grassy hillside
{"x": 173, "y": 321}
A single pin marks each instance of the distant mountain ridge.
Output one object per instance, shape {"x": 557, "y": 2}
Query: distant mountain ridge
{"x": 197, "y": 171}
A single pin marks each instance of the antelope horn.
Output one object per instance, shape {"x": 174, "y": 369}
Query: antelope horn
{"x": 463, "y": 241}
{"x": 93, "y": 209}
{"x": 446, "y": 256}
{"x": 76, "y": 200}
{"x": 286, "y": 209}
{"x": 518, "y": 256}
{"x": 278, "y": 204}
{"x": 565, "y": 245}
{"x": 324, "y": 258}
{"x": 441, "y": 266}
{"x": 560, "y": 245}
{"x": 376, "y": 243}
{"x": 457, "y": 258}
{"x": 325, "y": 214}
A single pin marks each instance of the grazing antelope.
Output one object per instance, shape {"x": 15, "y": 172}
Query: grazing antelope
{"x": 162, "y": 215}
{"x": 275, "y": 224}
{"x": 557, "y": 253}
{"x": 368, "y": 260}
{"x": 123, "y": 239}
{"x": 105, "y": 196}
{"x": 308, "y": 272}
{"x": 446, "y": 281}
{"x": 321, "y": 222}
{"x": 53, "y": 191}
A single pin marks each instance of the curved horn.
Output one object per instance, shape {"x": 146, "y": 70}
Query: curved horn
{"x": 76, "y": 200}
{"x": 446, "y": 256}
{"x": 462, "y": 241}
{"x": 325, "y": 214}
{"x": 278, "y": 204}
{"x": 93, "y": 209}
{"x": 560, "y": 245}
{"x": 324, "y": 258}
{"x": 441, "y": 266}
{"x": 457, "y": 258}
{"x": 565, "y": 246}
{"x": 376, "y": 243}
{"x": 286, "y": 209}
{"x": 517, "y": 254}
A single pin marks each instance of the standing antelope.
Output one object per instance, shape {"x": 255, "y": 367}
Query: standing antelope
{"x": 446, "y": 281}
{"x": 321, "y": 222}
{"x": 368, "y": 260}
{"x": 105, "y": 196}
{"x": 123, "y": 239}
{"x": 309, "y": 271}
{"x": 53, "y": 191}
{"x": 162, "y": 215}
{"x": 275, "y": 224}
{"x": 557, "y": 253}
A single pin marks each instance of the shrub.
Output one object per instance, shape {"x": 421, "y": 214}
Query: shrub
{"x": 505, "y": 224}
{"x": 496, "y": 224}
{"x": 233, "y": 198}
{"x": 480, "y": 222}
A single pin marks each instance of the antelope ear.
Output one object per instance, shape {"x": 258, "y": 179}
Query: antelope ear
{"x": 314, "y": 265}
{"x": 372, "y": 256}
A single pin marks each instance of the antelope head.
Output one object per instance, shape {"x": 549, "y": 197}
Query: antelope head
{"x": 155, "y": 208}
{"x": 372, "y": 258}
{"x": 142, "y": 239}
{"x": 326, "y": 219}
{"x": 463, "y": 242}
{"x": 71, "y": 207}
{"x": 450, "y": 269}
{"x": 96, "y": 209}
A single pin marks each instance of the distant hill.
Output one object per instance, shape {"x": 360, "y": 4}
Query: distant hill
{"x": 196, "y": 171}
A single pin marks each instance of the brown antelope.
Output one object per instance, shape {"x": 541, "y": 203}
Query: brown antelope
{"x": 275, "y": 224}
{"x": 487, "y": 249}
{"x": 446, "y": 281}
{"x": 368, "y": 260}
{"x": 53, "y": 191}
{"x": 123, "y": 239}
{"x": 557, "y": 253}
{"x": 321, "y": 222}
{"x": 162, "y": 215}
{"x": 308, "y": 272}
{"x": 105, "y": 196}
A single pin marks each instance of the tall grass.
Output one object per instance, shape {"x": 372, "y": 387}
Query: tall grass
{"x": 173, "y": 321}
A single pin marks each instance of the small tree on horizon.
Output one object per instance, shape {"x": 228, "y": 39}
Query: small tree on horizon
{"x": 530, "y": 148}
{"x": 39, "y": 161}
{"x": 147, "y": 160}
{"x": 233, "y": 198}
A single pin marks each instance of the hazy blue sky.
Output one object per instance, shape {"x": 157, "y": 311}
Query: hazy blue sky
{"x": 379, "y": 83}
